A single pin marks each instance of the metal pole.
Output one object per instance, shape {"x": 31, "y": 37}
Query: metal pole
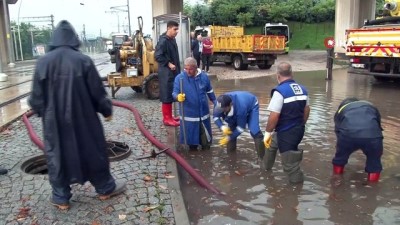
{"x": 118, "y": 22}
{"x": 183, "y": 114}
{"x": 181, "y": 44}
{"x": 7, "y": 28}
{"x": 32, "y": 41}
{"x": 19, "y": 33}
{"x": 129, "y": 17}
{"x": 15, "y": 44}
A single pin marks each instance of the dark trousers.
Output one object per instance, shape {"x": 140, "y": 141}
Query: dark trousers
{"x": 289, "y": 140}
{"x": 371, "y": 147}
{"x": 206, "y": 60}
{"x": 62, "y": 193}
{"x": 198, "y": 58}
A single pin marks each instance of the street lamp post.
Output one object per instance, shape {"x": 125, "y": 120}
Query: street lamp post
{"x": 19, "y": 32}
{"x": 129, "y": 17}
{"x": 114, "y": 12}
{"x": 125, "y": 10}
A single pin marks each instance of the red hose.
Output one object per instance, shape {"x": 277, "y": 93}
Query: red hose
{"x": 35, "y": 139}
{"x": 196, "y": 176}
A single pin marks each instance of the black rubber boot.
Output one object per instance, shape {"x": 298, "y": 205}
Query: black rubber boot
{"x": 291, "y": 165}
{"x": 259, "y": 144}
{"x": 269, "y": 157}
{"x": 3, "y": 171}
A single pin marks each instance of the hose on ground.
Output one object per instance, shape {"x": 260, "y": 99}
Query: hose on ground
{"x": 196, "y": 176}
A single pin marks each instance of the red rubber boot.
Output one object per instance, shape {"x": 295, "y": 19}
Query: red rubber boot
{"x": 338, "y": 169}
{"x": 168, "y": 120}
{"x": 373, "y": 177}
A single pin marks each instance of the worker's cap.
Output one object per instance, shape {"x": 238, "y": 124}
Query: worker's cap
{"x": 222, "y": 102}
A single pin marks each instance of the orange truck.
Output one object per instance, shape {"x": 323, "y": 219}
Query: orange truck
{"x": 231, "y": 46}
{"x": 374, "y": 49}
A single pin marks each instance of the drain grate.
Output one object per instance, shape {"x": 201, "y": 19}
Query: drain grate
{"x": 37, "y": 165}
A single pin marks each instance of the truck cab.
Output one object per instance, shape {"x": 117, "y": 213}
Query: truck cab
{"x": 279, "y": 29}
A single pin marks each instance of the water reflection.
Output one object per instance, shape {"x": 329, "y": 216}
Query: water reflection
{"x": 259, "y": 197}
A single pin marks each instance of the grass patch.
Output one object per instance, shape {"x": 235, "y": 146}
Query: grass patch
{"x": 305, "y": 35}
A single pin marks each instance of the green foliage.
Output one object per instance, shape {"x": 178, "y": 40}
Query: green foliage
{"x": 30, "y": 36}
{"x": 258, "y": 12}
{"x": 245, "y": 19}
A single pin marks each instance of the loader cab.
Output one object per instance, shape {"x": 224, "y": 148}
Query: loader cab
{"x": 281, "y": 30}
{"x": 117, "y": 40}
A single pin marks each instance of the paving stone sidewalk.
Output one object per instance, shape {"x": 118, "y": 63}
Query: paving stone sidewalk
{"x": 25, "y": 198}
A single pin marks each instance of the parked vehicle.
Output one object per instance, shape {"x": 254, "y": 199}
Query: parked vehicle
{"x": 279, "y": 29}
{"x": 374, "y": 49}
{"x": 231, "y": 46}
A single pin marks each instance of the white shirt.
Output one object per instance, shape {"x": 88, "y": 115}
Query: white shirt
{"x": 276, "y": 103}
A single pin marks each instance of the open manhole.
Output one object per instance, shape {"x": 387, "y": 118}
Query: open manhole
{"x": 37, "y": 165}
{"x": 117, "y": 150}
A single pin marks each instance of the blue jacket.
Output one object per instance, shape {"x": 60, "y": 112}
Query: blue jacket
{"x": 359, "y": 119}
{"x": 198, "y": 92}
{"x": 243, "y": 104}
{"x": 294, "y": 101}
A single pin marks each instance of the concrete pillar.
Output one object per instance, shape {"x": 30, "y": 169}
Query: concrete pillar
{"x": 367, "y": 10}
{"x": 161, "y": 7}
{"x": 350, "y": 14}
{"x": 3, "y": 38}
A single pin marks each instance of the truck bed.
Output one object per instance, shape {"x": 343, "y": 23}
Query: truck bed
{"x": 375, "y": 41}
{"x": 250, "y": 44}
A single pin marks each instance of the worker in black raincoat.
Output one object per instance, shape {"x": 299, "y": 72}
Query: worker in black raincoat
{"x": 68, "y": 93}
{"x": 167, "y": 57}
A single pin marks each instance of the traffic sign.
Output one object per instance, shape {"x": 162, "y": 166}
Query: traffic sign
{"x": 329, "y": 42}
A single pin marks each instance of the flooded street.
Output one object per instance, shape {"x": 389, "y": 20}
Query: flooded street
{"x": 259, "y": 197}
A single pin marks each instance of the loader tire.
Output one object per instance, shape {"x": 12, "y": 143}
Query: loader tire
{"x": 151, "y": 87}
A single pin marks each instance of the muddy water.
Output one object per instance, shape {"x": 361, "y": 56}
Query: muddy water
{"x": 258, "y": 197}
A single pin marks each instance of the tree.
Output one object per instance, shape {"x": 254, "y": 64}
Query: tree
{"x": 30, "y": 36}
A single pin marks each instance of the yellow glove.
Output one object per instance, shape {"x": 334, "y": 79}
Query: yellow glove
{"x": 224, "y": 141}
{"x": 226, "y": 130}
{"x": 108, "y": 119}
{"x": 181, "y": 97}
{"x": 267, "y": 139}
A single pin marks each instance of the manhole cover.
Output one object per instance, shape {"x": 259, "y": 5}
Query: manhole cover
{"x": 117, "y": 150}
{"x": 37, "y": 165}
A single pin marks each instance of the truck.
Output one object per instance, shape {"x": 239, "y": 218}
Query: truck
{"x": 279, "y": 29}
{"x": 117, "y": 41}
{"x": 232, "y": 46}
{"x": 374, "y": 49}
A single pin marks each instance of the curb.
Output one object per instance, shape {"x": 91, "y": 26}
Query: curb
{"x": 178, "y": 204}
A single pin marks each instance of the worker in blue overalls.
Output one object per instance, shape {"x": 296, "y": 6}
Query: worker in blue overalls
{"x": 289, "y": 110}
{"x": 233, "y": 111}
{"x": 358, "y": 126}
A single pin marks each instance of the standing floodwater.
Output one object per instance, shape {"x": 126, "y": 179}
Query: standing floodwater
{"x": 258, "y": 197}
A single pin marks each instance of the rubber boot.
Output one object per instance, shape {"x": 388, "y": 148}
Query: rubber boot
{"x": 167, "y": 115}
{"x": 373, "y": 177}
{"x": 268, "y": 160}
{"x": 231, "y": 146}
{"x": 259, "y": 144}
{"x": 291, "y": 165}
{"x": 338, "y": 169}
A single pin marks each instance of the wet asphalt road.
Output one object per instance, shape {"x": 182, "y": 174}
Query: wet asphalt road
{"x": 258, "y": 197}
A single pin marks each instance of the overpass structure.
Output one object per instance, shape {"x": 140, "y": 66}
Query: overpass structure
{"x": 349, "y": 14}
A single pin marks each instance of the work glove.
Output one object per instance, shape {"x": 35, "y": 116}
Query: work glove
{"x": 267, "y": 139}
{"x": 226, "y": 130}
{"x": 181, "y": 97}
{"x": 108, "y": 119}
{"x": 224, "y": 141}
